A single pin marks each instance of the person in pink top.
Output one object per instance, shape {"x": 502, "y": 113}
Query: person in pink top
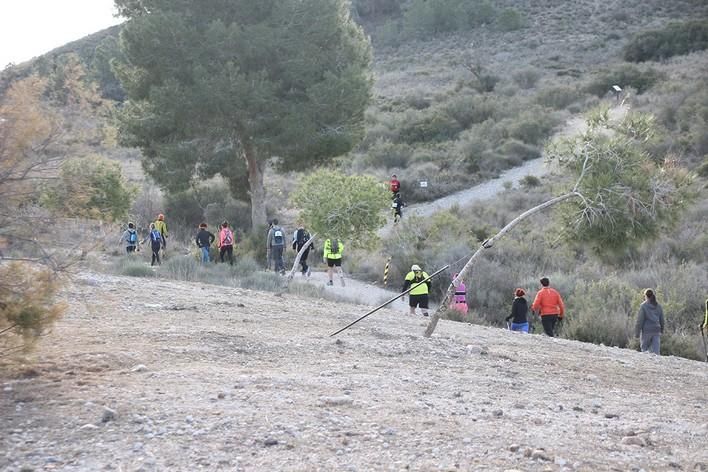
{"x": 459, "y": 300}
{"x": 226, "y": 242}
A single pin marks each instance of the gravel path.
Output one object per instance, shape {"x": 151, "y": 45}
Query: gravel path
{"x": 153, "y": 375}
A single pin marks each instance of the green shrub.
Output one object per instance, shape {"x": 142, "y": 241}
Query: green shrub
{"x": 530, "y": 181}
{"x": 673, "y": 40}
{"x": 688, "y": 347}
{"x": 600, "y": 312}
{"x": 522, "y": 151}
{"x": 471, "y": 109}
{"x": 132, "y": 267}
{"x": 625, "y": 75}
{"x": 424, "y": 18}
{"x": 526, "y": 78}
{"x": 388, "y": 155}
{"x": 533, "y": 126}
{"x": 559, "y": 97}
{"x": 428, "y": 126}
{"x": 510, "y": 19}
{"x": 376, "y": 8}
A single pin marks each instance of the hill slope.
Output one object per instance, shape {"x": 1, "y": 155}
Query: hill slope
{"x": 230, "y": 379}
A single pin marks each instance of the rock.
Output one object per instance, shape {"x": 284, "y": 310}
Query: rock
{"x": 611, "y": 415}
{"x": 540, "y": 454}
{"x": 467, "y": 440}
{"x": 221, "y": 395}
{"x": 498, "y": 413}
{"x": 577, "y": 408}
{"x": 514, "y": 447}
{"x": 89, "y": 426}
{"x": 108, "y": 415}
{"x": 633, "y": 441}
{"x": 527, "y": 452}
{"x": 138, "y": 368}
{"x": 270, "y": 442}
{"x": 560, "y": 461}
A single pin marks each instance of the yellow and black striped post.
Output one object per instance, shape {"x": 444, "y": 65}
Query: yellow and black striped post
{"x": 388, "y": 264}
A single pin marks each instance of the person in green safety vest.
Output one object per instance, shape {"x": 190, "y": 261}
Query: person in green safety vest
{"x": 418, "y": 297}
{"x": 332, "y": 255}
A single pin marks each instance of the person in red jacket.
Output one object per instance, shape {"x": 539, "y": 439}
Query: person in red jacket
{"x": 395, "y": 185}
{"x": 549, "y": 304}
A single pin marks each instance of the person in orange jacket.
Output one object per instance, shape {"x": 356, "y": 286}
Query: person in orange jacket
{"x": 549, "y": 304}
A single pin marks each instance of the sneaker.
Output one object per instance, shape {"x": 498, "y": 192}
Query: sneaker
{"x": 330, "y": 283}
{"x": 425, "y": 314}
{"x": 309, "y": 271}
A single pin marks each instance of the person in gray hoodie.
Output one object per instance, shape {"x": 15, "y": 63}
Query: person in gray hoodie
{"x": 650, "y": 323}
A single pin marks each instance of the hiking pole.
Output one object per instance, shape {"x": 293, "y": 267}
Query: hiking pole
{"x": 705, "y": 346}
{"x": 391, "y": 300}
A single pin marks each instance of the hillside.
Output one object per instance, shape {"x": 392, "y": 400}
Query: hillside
{"x": 173, "y": 376}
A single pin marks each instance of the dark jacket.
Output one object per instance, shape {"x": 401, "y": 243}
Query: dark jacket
{"x": 205, "y": 238}
{"x": 650, "y": 320}
{"x": 519, "y": 310}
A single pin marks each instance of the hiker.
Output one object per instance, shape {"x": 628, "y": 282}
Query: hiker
{"x": 418, "y": 297}
{"x": 519, "y": 311}
{"x": 549, "y": 305}
{"x": 226, "y": 243}
{"x": 275, "y": 245}
{"x": 161, "y": 226}
{"x": 269, "y": 256}
{"x": 130, "y": 237}
{"x": 394, "y": 185}
{"x": 459, "y": 300}
{"x": 300, "y": 238}
{"x": 332, "y": 255}
{"x": 205, "y": 239}
{"x": 155, "y": 244}
{"x": 650, "y": 323}
{"x": 397, "y": 206}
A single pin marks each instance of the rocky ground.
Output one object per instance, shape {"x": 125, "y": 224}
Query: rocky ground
{"x": 145, "y": 374}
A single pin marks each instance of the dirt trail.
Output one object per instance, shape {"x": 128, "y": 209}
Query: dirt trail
{"x": 154, "y": 375}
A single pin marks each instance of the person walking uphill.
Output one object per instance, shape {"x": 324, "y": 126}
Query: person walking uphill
{"x": 549, "y": 304}
{"x": 226, "y": 242}
{"x": 161, "y": 226}
{"x": 205, "y": 239}
{"x": 650, "y": 323}
{"x": 519, "y": 310}
{"x": 459, "y": 299}
{"x": 419, "y": 295}
{"x": 275, "y": 245}
{"x": 332, "y": 254}
{"x": 155, "y": 244}
{"x": 130, "y": 238}
{"x": 300, "y": 238}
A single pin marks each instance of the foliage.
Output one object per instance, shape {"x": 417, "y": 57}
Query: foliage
{"x": 222, "y": 89}
{"x": 180, "y": 268}
{"x": 510, "y": 19}
{"x": 624, "y": 196}
{"x": 90, "y": 187}
{"x": 376, "y": 8}
{"x": 132, "y": 266}
{"x": 28, "y": 304}
{"x": 347, "y": 207}
{"x": 625, "y": 75}
{"x": 672, "y": 40}
{"x": 423, "y": 18}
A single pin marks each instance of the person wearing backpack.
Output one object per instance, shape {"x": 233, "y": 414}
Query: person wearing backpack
{"x": 397, "y": 206}
{"x": 300, "y": 238}
{"x": 226, "y": 243}
{"x": 155, "y": 238}
{"x": 205, "y": 239}
{"x": 394, "y": 185}
{"x": 276, "y": 244}
{"x": 161, "y": 226}
{"x": 130, "y": 238}
{"x": 459, "y": 299}
{"x": 418, "y": 297}
{"x": 519, "y": 312}
{"x": 332, "y": 254}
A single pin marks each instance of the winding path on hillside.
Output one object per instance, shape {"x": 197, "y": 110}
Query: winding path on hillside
{"x": 365, "y": 293}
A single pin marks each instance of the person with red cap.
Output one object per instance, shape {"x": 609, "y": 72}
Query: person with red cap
{"x": 519, "y": 312}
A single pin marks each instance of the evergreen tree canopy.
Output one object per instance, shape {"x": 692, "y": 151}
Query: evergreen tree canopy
{"x": 216, "y": 85}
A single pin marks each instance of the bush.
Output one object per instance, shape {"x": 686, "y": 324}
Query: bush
{"x": 533, "y": 126}
{"x": 180, "y": 268}
{"x": 673, "y": 40}
{"x": 559, "y": 97}
{"x": 688, "y": 347}
{"x": 425, "y": 18}
{"x": 428, "y": 126}
{"x": 510, "y": 19}
{"x": 625, "y": 75}
{"x": 471, "y": 109}
{"x": 265, "y": 281}
{"x": 132, "y": 266}
{"x": 601, "y": 312}
{"x": 530, "y": 181}
{"x": 388, "y": 155}
{"x": 527, "y": 78}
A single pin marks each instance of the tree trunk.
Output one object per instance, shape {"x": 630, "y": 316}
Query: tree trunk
{"x": 255, "y": 183}
{"x": 487, "y": 245}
